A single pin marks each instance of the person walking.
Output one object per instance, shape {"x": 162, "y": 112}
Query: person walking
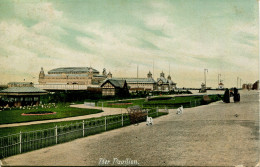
{"x": 236, "y": 95}
{"x": 226, "y": 98}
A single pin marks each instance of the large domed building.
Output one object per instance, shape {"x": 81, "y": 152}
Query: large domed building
{"x": 71, "y": 76}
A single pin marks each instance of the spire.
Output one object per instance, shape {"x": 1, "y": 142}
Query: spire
{"x": 169, "y": 77}
{"x": 104, "y": 72}
{"x": 149, "y": 75}
{"x": 41, "y": 75}
{"x": 162, "y": 74}
{"x": 109, "y": 75}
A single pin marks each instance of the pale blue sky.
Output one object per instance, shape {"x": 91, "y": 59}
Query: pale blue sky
{"x": 190, "y": 35}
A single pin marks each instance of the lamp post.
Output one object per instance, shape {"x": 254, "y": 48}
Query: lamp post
{"x": 219, "y": 79}
{"x": 205, "y": 70}
{"x": 237, "y": 81}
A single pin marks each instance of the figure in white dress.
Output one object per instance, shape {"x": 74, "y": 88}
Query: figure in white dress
{"x": 149, "y": 120}
{"x": 180, "y": 110}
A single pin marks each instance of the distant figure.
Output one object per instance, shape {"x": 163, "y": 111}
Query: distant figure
{"x": 226, "y": 98}
{"x": 236, "y": 95}
{"x": 149, "y": 121}
{"x": 180, "y": 110}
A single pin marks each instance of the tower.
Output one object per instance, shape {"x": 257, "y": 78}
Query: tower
{"x": 162, "y": 74}
{"x": 109, "y": 75}
{"x": 149, "y": 75}
{"x": 90, "y": 73}
{"x": 41, "y": 75}
{"x": 104, "y": 72}
{"x": 169, "y": 77}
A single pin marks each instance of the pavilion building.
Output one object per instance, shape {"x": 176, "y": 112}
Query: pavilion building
{"x": 21, "y": 94}
{"x": 165, "y": 84}
{"x": 149, "y": 84}
{"x": 141, "y": 84}
{"x": 71, "y": 78}
{"x": 113, "y": 87}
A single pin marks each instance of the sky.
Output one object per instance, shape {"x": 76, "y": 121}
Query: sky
{"x": 178, "y": 37}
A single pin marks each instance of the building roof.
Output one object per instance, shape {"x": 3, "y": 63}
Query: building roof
{"x": 138, "y": 80}
{"x": 72, "y": 70}
{"x": 101, "y": 76}
{"x": 118, "y": 83}
{"x": 165, "y": 81}
{"x": 22, "y": 90}
{"x": 69, "y": 75}
{"x": 18, "y": 83}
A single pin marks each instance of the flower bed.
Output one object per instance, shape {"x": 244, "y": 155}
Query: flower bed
{"x": 39, "y": 113}
{"x": 119, "y": 103}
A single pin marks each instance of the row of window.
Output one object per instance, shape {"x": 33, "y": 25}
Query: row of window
{"x": 108, "y": 92}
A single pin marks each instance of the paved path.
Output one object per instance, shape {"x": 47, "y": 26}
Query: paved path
{"x": 107, "y": 111}
{"x": 207, "y": 135}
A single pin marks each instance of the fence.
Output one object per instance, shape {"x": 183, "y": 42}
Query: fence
{"x": 89, "y": 104}
{"x": 28, "y": 141}
{"x": 191, "y": 103}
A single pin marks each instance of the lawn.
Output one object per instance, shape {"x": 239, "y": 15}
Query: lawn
{"x": 28, "y": 128}
{"x": 185, "y": 101}
{"x": 62, "y": 111}
{"x": 121, "y": 103}
{"x": 160, "y": 101}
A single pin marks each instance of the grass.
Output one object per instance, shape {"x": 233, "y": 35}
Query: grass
{"x": 185, "y": 101}
{"x": 34, "y": 137}
{"x": 14, "y": 116}
{"x": 28, "y": 128}
{"x": 121, "y": 103}
{"x": 160, "y": 98}
{"x": 159, "y": 101}
{"x": 175, "y": 100}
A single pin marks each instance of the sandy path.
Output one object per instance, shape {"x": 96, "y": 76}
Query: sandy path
{"x": 205, "y": 135}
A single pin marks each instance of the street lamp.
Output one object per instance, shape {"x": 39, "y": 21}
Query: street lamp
{"x": 219, "y": 79}
{"x": 205, "y": 77}
{"x": 237, "y": 81}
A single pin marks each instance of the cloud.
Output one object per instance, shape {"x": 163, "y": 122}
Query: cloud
{"x": 160, "y": 33}
{"x": 36, "y": 11}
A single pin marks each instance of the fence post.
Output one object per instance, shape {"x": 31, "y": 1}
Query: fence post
{"x": 122, "y": 118}
{"x": 56, "y": 134}
{"x": 83, "y": 128}
{"x": 167, "y": 110}
{"x": 105, "y": 123}
{"x": 20, "y": 142}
